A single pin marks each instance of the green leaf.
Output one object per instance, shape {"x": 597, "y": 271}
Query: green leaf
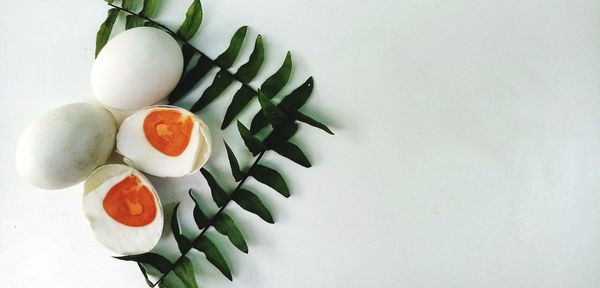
{"x": 226, "y": 59}
{"x": 153, "y": 25}
{"x": 284, "y": 132}
{"x": 277, "y": 81}
{"x": 238, "y": 175}
{"x": 222, "y": 80}
{"x": 199, "y": 216}
{"x": 132, "y": 21}
{"x": 214, "y": 256}
{"x": 128, "y": 4}
{"x": 310, "y": 121}
{"x": 294, "y": 100}
{"x": 248, "y": 71}
{"x": 242, "y": 97}
{"x": 272, "y": 113}
{"x": 110, "y": 1}
{"x": 145, "y": 273}
{"x": 188, "y": 52}
{"x": 170, "y": 281}
{"x": 185, "y": 272}
{"x": 105, "y": 29}
{"x": 157, "y": 261}
{"x": 191, "y": 78}
{"x": 225, "y": 225}
{"x": 253, "y": 144}
{"x": 150, "y": 8}
{"x": 219, "y": 195}
{"x": 289, "y": 150}
{"x": 183, "y": 243}
{"x": 299, "y": 96}
{"x": 270, "y": 178}
{"x": 193, "y": 19}
{"x": 250, "y": 202}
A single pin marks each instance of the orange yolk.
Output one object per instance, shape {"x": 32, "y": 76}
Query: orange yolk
{"x": 130, "y": 203}
{"x": 168, "y": 131}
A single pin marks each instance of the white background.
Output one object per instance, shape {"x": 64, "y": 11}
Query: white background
{"x": 467, "y": 151}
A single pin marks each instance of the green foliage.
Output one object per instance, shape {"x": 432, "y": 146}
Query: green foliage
{"x": 105, "y": 29}
{"x": 213, "y": 255}
{"x": 271, "y": 178}
{"x": 283, "y": 117}
{"x": 251, "y": 203}
{"x": 193, "y": 19}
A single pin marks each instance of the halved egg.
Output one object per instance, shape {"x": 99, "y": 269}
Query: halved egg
{"x": 123, "y": 209}
{"x": 164, "y": 141}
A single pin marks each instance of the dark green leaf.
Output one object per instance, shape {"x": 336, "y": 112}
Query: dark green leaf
{"x": 289, "y": 150}
{"x": 292, "y": 101}
{"x": 159, "y": 262}
{"x": 193, "y": 19}
{"x": 253, "y": 144}
{"x": 153, "y": 25}
{"x": 191, "y": 78}
{"x": 222, "y": 80}
{"x": 250, "y": 202}
{"x": 170, "y": 281}
{"x": 128, "y": 4}
{"x": 284, "y": 132}
{"x": 270, "y": 178}
{"x": 242, "y": 97}
{"x": 105, "y": 29}
{"x": 310, "y": 121}
{"x": 226, "y": 59}
{"x": 214, "y": 256}
{"x": 219, "y": 195}
{"x": 133, "y": 21}
{"x": 225, "y": 225}
{"x": 145, "y": 273}
{"x": 277, "y": 81}
{"x": 199, "y": 216}
{"x": 185, "y": 272}
{"x": 188, "y": 52}
{"x": 150, "y": 8}
{"x": 272, "y": 113}
{"x": 248, "y": 71}
{"x": 182, "y": 242}
{"x": 238, "y": 175}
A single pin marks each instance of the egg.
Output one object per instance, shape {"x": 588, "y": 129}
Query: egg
{"x": 123, "y": 209}
{"x": 137, "y": 68}
{"x": 65, "y": 145}
{"x": 165, "y": 141}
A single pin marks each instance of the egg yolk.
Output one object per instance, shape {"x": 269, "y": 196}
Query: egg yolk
{"x": 130, "y": 203}
{"x": 168, "y": 131}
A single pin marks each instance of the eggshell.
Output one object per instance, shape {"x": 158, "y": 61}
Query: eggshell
{"x": 137, "y": 68}
{"x": 115, "y": 236}
{"x": 64, "y": 146}
{"x": 139, "y": 153}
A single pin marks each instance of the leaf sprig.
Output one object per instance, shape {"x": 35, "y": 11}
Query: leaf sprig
{"x": 283, "y": 117}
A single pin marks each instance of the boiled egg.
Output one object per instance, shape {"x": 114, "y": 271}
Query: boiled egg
{"x": 137, "y": 68}
{"x": 123, "y": 209}
{"x": 65, "y": 145}
{"x": 165, "y": 141}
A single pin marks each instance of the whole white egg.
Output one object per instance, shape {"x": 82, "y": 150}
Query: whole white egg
{"x": 65, "y": 145}
{"x": 137, "y": 68}
{"x": 123, "y": 209}
{"x": 165, "y": 141}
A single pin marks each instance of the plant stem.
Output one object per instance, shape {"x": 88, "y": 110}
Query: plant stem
{"x": 212, "y": 220}
{"x": 186, "y": 42}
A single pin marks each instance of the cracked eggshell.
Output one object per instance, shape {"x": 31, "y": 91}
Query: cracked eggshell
{"x": 138, "y": 152}
{"x": 112, "y": 234}
{"x": 137, "y": 68}
{"x": 65, "y": 145}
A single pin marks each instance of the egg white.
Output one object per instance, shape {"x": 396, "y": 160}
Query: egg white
{"x": 140, "y": 154}
{"x": 120, "y": 238}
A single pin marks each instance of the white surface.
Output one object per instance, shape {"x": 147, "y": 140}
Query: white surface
{"x": 467, "y": 151}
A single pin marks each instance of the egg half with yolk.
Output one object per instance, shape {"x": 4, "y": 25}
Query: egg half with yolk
{"x": 165, "y": 141}
{"x": 123, "y": 209}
